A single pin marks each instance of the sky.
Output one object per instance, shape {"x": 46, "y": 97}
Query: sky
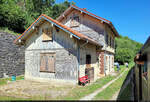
{"x": 130, "y": 17}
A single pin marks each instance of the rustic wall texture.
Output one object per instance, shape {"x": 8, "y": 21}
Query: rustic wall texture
{"x": 11, "y": 56}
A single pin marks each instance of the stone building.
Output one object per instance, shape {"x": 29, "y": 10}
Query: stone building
{"x": 76, "y": 44}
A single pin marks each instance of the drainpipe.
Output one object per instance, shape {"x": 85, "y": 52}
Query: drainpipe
{"x": 105, "y": 62}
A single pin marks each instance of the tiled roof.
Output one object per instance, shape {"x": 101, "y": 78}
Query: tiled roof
{"x": 91, "y": 14}
{"x": 82, "y": 9}
{"x": 60, "y": 25}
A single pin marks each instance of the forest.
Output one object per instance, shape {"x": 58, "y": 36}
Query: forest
{"x": 17, "y": 15}
{"x": 126, "y": 49}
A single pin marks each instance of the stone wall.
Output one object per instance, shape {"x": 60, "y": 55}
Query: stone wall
{"x": 11, "y": 56}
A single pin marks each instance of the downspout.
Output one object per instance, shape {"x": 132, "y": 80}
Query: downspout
{"x": 105, "y": 62}
{"x": 105, "y": 51}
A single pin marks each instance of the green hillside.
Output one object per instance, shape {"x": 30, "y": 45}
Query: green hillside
{"x": 126, "y": 49}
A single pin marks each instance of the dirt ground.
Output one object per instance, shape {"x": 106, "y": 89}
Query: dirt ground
{"x": 30, "y": 89}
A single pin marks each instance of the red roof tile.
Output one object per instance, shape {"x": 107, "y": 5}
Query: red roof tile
{"x": 91, "y": 14}
{"x": 82, "y": 36}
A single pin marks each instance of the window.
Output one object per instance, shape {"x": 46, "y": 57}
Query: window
{"x": 75, "y": 21}
{"x": 110, "y": 42}
{"x": 47, "y": 62}
{"x": 107, "y": 39}
{"x": 88, "y": 61}
{"x": 47, "y": 34}
{"x": 144, "y": 68}
{"x": 113, "y": 43}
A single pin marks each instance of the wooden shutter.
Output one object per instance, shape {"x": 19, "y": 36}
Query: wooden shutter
{"x": 47, "y": 62}
{"x": 42, "y": 62}
{"x": 51, "y": 62}
{"x": 47, "y": 34}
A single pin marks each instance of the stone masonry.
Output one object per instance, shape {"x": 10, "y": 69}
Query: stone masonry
{"x": 11, "y": 56}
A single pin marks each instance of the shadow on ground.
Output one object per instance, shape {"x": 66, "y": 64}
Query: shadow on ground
{"x": 127, "y": 89}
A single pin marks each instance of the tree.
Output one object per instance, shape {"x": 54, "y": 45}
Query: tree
{"x": 12, "y": 15}
{"x": 17, "y": 15}
{"x": 126, "y": 49}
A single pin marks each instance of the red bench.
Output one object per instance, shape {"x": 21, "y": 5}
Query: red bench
{"x": 83, "y": 80}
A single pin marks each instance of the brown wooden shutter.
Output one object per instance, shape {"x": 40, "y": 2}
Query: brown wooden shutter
{"x": 51, "y": 62}
{"x": 47, "y": 62}
{"x": 42, "y": 62}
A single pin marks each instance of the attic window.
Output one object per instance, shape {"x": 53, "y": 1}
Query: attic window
{"x": 47, "y": 34}
{"x": 75, "y": 21}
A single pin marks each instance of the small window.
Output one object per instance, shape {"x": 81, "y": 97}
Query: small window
{"x": 107, "y": 39}
{"x": 144, "y": 68}
{"x": 47, "y": 34}
{"x": 47, "y": 62}
{"x": 75, "y": 21}
{"x": 112, "y": 43}
{"x": 88, "y": 61}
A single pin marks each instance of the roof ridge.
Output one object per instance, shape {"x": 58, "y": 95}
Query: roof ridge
{"x": 90, "y": 13}
{"x": 80, "y": 35}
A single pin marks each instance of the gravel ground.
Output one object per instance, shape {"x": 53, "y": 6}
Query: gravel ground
{"x": 28, "y": 89}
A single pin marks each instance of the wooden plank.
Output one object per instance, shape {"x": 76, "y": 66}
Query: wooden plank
{"x": 47, "y": 34}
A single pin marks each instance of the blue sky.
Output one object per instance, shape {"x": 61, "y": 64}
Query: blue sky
{"x": 130, "y": 17}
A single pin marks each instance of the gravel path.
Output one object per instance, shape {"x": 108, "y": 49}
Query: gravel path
{"x": 92, "y": 95}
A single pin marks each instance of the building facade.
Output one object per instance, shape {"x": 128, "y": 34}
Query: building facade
{"x": 74, "y": 45}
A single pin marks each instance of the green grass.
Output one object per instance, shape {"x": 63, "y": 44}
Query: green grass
{"x": 74, "y": 93}
{"x": 113, "y": 88}
{"x": 4, "y": 81}
{"x": 9, "y": 98}
{"x": 80, "y": 92}
{"x": 110, "y": 90}
{"x": 5, "y": 29}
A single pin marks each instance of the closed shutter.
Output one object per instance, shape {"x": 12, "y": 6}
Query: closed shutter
{"x": 47, "y": 62}
{"x": 42, "y": 62}
{"x": 51, "y": 62}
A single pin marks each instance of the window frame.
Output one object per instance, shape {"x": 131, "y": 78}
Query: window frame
{"x": 107, "y": 37}
{"x": 47, "y": 30}
{"x": 48, "y": 71}
{"x": 75, "y": 19}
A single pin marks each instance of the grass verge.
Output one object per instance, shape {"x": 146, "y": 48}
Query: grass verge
{"x": 114, "y": 87}
{"x": 110, "y": 90}
{"x": 4, "y": 81}
{"x": 80, "y": 91}
{"x": 4, "y": 29}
